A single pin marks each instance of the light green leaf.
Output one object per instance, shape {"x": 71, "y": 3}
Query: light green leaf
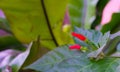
{"x": 30, "y": 18}
{"x": 82, "y": 12}
{"x": 64, "y": 60}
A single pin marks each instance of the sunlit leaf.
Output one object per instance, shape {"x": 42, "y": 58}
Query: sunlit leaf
{"x": 30, "y": 18}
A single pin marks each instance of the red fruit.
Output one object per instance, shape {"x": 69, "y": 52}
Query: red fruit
{"x": 76, "y": 46}
{"x": 79, "y": 36}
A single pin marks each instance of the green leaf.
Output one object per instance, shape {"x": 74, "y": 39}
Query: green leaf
{"x": 111, "y": 45}
{"x": 113, "y": 26}
{"x": 64, "y": 60}
{"x": 77, "y": 41}
{"x": 95, "y": 37}
{"x": 82, "y": 12}
{"x": 104, "y": 39}
{"x": 99, "y": 9}
{"x": 97, "y": 53}
{"x": 107, "y": 47}
{"x": 96, "y": 41}
{"x": 92, "y": 35}
{"x": 30, "y": 18}
{"x": 10, "y": 42}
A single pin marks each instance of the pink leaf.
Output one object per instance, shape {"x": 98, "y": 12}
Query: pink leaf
{"x": 113, "y": 6}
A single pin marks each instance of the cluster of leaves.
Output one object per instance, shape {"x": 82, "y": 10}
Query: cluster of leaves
{"x": 27, "y": 20}
{"x": 62, "y": 59}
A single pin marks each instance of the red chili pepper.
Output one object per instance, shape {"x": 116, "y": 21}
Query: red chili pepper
{"x": 79, "y": 36}
{"x": 76, "y": 46}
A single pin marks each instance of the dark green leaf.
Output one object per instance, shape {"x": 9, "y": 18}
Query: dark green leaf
{"x": 99, "y": 9}
{"x": 111, "y": 45}
{"x": 10, "y": 42}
